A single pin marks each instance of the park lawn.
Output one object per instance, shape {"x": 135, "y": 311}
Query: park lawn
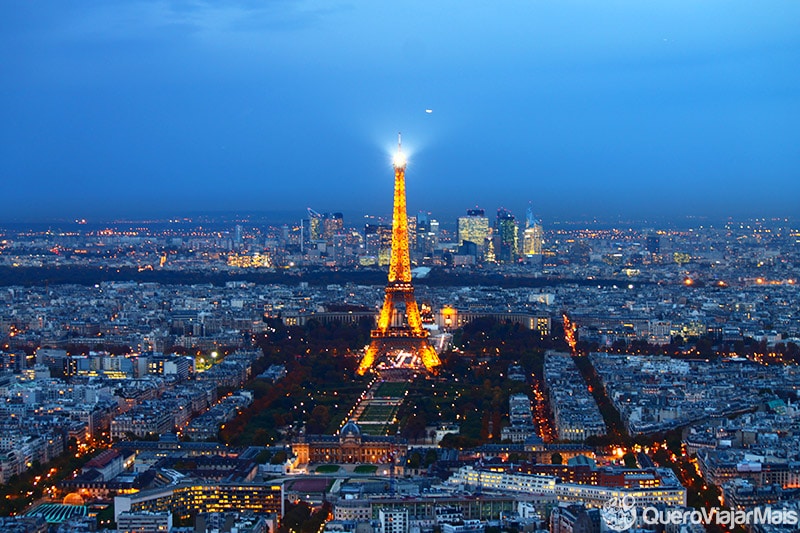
{"x": 377, "y": 430}
{"x": 327, "y": 469}
{"x": 378, "y": 413}
{"x": 391, "y": 390}
{"x": 365, "y": 469}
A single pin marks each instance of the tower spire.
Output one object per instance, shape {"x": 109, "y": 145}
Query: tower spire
{"x": 399, "y": 158}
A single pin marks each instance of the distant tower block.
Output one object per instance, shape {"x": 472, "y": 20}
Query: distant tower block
{"x": 410, "y": 336}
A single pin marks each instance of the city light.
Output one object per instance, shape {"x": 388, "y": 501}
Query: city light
{"x": 669, "y": 348}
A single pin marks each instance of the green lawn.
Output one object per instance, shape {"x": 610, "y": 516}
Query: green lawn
{"x": 327, "y": 469}
{"x": 375, "y": 429}
{"x": 365, "y": 469}
{"x": 378, "y": 413}
{"x": 391, "y": 390}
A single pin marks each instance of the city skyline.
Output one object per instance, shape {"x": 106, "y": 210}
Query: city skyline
{"x": 446, "y": 216}
{"x": 142, "y": 110}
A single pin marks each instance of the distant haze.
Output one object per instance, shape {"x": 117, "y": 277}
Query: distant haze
{"x": 585, "y": 109}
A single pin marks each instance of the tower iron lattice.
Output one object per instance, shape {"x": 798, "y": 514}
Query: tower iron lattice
{"x": 410, "y": 336}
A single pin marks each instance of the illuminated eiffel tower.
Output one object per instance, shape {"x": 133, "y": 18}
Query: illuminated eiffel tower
{"x": 410, "y": 336}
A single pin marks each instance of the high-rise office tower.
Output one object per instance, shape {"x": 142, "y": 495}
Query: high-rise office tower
{"x": 410, "y": 335}
{"x": 533, "y": 236}
{"x": 378, "y": 242}
{"x": 423, "y": 221}
{"x": 314, "y": 225}
{"x": 506, "y": 236}
{"x": 423, "y": 229}
{"x": 332, "y": 224}
{"x": 427, "y": 234}
{"x": 474, "y": 228}
{"x": 324, "y": 226}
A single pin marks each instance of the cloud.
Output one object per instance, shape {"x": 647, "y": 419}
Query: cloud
{"x": 131, "y": 20}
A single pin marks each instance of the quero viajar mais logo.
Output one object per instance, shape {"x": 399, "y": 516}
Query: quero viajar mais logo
{"x": 619, "y": 514}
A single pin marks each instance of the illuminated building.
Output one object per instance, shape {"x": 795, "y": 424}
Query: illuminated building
{"x": 452, "y": 318}
{"x": 349, "y": 446}
{"x": 332, "y": 224}
{"x": 485, "y": 479}
{"x": 49, "y": 513}
{"x": 393, "y": 520}
{"x": 255, "y": 260}
{"x": 371, "y": 244}
{"x": 139, "y": 522}
{"x": 490, "y": 256}
{"x": 426, "y": 231}
{"x": 423, "y": 226}
{"x": 474, "y": 228}
{"x": 314, "y": 225}
{"x": 188, "y": 498}
{"x": 506, "y": 234}
{"x": 533, "y": 236}
{"x": 13, "y": 362}
{"x": 378, "y": 242}
{"x": 409, "y": 336}
{"x": 142, "y": 421}
{"x": 323, "y": 226}
{"x": 660, "y": 487}
{"x": 427, "y": 508}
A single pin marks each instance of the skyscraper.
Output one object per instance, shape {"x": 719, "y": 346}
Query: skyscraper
{"x": 237, "y": 236}
{"x": 533, "y": 236}
{"x": 507, "y": 236}
{"x": 427, "y": 234}
{"x": 474, "y": 228}
{"x": 314, "y": 225}
{"x": 324, "y": 225}
{"x": 332, "y": 224}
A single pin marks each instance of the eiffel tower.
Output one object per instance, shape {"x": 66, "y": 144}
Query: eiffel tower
{"x": 410, "y": 336}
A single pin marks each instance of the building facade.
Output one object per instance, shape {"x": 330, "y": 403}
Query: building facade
{"x": 349, "y": 446}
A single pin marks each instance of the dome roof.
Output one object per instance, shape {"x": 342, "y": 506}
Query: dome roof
{"x": 350, "y": 429}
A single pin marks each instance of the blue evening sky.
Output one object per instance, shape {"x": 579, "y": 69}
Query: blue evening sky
{"x": 584, "y": 108}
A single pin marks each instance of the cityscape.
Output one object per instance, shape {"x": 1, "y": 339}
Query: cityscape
{"x": 427, "y": 267}
{"x": 235, "y": 375}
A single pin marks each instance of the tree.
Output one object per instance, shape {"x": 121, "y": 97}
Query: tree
{"x": 279, "y": 457}
{"x": 414, "y": 460}
{"x": 294, "y": 517}
{"x": 263, "y": 456}
{"x": 630, "y": 460}
{"x": 319, "y": 420}
{"x": 431, "y": 457}
{"x": 556, "y": 459}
